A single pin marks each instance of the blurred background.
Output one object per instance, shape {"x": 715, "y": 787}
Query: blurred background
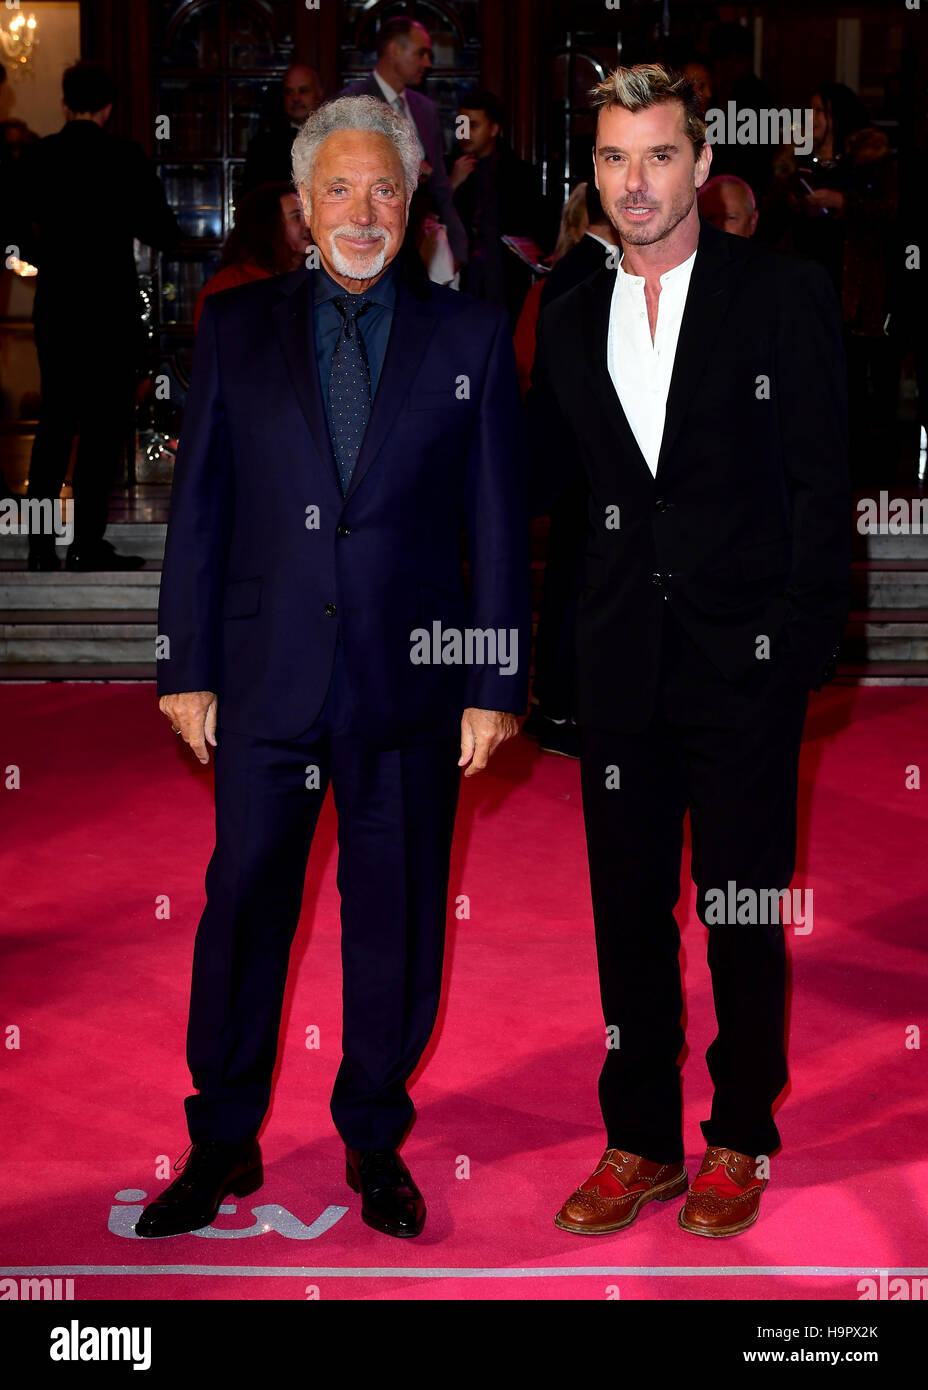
{"x": 203, "y": 87}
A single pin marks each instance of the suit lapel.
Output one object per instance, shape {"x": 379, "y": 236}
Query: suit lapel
{"x": 412, "y": 326}
{"x": 293, "y": 319}
{"x": 599, "y": 289}
{"x": 707, "y": 300}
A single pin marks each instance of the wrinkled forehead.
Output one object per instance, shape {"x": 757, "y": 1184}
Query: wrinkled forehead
{"x": 358, "y": 154}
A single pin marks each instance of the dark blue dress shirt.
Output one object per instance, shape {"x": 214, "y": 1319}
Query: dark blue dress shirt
{"x": 374, "y": 323}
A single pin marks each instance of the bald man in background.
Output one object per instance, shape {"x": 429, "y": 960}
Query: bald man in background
{"x": 728, "y": 203}
{"x": 269, "y": 159}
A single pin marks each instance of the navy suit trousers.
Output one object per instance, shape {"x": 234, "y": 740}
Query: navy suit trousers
{"x": 396, "y": 810}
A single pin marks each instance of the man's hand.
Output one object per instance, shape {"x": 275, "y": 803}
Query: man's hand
{"x": 830, "y": 198}
{"x": 193, "y": 714}
{"x": 482, "y": 732}
{"x": 461, "y": 169}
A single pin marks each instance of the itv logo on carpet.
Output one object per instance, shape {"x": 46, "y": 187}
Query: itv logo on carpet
{"x": 266, "y": 1218}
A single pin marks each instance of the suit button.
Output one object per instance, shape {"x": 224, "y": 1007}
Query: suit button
{"x": 342, "y": 530}
{"x": 329, "y": 610}
{"x": 661, "y": 505}
{"x": 657, "y": 579}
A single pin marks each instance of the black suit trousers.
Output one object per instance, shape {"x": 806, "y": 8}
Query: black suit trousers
{"x": 728, "y": 753}
{"x": 396, "y": 810}
{"x": 88, "y": 389}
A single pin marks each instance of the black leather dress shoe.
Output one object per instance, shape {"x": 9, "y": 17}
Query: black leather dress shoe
{"x": 390, "y": 1200}
{"x": 101, "y": 556}
{"x": 193, "y": 1200}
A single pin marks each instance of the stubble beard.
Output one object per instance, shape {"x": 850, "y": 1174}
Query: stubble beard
{"x": 653, "y": 231}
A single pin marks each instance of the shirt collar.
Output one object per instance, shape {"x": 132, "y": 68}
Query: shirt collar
{"x": 386, "y": 88}
{"x": 677, "y": 272}
{"x": 383, "y": 292}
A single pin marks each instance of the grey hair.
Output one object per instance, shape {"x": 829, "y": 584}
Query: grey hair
{"x": 355, "y": 113}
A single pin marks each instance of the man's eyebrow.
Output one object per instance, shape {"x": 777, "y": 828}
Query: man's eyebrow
{"x": 652, "y": 149}
{"x": 346, "y": 178}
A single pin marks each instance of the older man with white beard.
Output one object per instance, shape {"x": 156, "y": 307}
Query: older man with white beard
{"x": 344, "y": 424}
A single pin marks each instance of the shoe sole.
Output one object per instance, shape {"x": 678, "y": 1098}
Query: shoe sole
{"x": 242, "y": 1187}
{"x": 722, "y": 1231}
{"x": 664, "y": 1193}
{"x": 384, "y": 1227}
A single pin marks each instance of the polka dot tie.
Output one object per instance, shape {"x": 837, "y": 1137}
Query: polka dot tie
{"x": 349, "y": 387}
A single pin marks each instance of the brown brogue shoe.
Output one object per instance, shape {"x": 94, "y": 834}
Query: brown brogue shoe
{"x": 612, "y": 1196}
{"x": 724, "y": 1198}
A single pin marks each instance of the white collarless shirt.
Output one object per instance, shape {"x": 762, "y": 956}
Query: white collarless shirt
{"x": 392, "y": 99}
{"x": 641, "y": 370}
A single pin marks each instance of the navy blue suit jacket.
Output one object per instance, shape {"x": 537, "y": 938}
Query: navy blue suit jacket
{"x": 266, "y": 563}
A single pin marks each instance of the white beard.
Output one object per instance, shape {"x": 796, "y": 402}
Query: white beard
{"x": 351, "y": 267}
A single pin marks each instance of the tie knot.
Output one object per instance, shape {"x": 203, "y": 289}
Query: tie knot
{"x": 350, "y": 306}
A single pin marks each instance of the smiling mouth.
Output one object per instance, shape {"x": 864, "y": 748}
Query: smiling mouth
{"x": 637, "y": 211}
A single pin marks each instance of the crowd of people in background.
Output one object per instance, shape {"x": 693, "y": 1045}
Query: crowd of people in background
{"x": 479, "y": 222}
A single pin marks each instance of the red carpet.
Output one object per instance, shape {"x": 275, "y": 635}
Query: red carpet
{"x": 113, "y": 817}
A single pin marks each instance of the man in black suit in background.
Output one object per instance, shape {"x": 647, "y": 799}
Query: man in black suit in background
{"x": 496, "y": 194}
{"x": 270, "y": 153}
{"x": 599, "y": 245}
{"x": 701, "y": 386}
{"x": 82, "y": 196}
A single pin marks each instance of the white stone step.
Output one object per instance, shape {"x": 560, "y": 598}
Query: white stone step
{"x": 910, "y": 546}
{"x": 21, "y": 589}
{"x": 889, "y": 584}
{"x": 54, "y": 637}
{"x": 129, "y": 537}
{"x": 886, "y": 635}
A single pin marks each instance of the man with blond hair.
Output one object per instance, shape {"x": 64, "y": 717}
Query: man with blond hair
{"x": 700, "y": 384}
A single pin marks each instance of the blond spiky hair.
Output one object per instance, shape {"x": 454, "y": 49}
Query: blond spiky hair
{"x": 651, "y": 84}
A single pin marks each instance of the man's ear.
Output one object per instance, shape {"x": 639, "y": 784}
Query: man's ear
{"x": 703, "y": 162}
{"x": 595, "y": 174}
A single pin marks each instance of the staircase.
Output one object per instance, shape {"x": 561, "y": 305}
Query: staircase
{"x": 81, "y": 626}
{"x": 102, "y": 626}
{"x": 886, "y": 639}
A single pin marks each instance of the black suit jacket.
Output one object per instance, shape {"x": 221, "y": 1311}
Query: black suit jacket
{"x": 745, "y": 530}
{"x": 269, "y": 158}
{"x": 575, "y": 266}
{"x": 80, "y": 197}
